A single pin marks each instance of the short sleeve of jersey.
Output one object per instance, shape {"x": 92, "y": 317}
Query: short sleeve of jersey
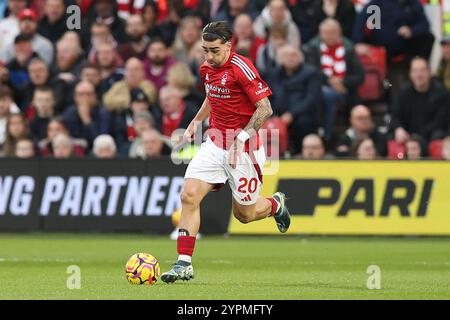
{"x": 249, "y": 79}
{"x": 202, "y": 74}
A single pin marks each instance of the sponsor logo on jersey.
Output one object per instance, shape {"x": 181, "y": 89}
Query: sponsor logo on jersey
{"x": 261, "y": 89}
{"x": 210, "y": 87}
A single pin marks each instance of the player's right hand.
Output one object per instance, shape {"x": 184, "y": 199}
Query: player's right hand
{"x": 190, "y": 131}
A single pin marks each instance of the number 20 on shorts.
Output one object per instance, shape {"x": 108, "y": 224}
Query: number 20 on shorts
{"x": 250, "y": 185}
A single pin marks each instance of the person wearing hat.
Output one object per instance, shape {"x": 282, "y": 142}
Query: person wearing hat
{"x": 18, "y": 66}
{"x": 443, "y": 72}
{"x": 28, "y": 24}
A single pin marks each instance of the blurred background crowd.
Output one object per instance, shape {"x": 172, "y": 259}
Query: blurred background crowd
{"x": 120, "y": 85}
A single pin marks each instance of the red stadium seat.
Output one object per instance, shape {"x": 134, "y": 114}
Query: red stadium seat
{"x": 375, "y": 67}
{"x": 396, "y": 150}
{"x": 276, "y": 123}
{"x": 435, "y": 149}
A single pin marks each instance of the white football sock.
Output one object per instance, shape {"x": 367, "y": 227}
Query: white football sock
{"x": 185, "y": 258}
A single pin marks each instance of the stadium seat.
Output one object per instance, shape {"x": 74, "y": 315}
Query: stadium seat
{"x": 396, "y": 150}
{"x": 435, "y": 149}
{"x": 276, "y": 123}
{"x": 375, "y": 67}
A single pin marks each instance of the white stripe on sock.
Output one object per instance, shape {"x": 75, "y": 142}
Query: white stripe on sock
{"x": 185, "y": 258}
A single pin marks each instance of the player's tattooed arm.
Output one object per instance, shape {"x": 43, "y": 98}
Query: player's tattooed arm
{"x": 262, "y": 113}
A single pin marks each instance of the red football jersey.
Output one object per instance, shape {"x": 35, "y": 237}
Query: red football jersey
{"x": 232, "y": 91}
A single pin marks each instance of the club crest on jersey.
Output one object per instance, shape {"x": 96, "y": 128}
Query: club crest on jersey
{"x": 224, "y": 79}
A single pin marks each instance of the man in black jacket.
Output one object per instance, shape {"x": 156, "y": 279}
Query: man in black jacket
{"x": 421, "y": 106}
{"x": 342, "y": 72}
{"x": 296, "y": 93}
{"x": 54, "y": 22}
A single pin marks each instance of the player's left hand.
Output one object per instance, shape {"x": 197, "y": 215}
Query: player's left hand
{"x": 235, "y": 153}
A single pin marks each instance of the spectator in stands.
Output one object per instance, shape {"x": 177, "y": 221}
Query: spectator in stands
{"x": 117, "y": 98}
{"x": 39, "y": 74}
{"x": 276, "y": 12}
{"x": 245, "y": 42}
{"x": 304, "y": 13}
{"x": 198, "y": 57}
{"x": 123, "y": 129}
{"x": 137, "y": 39}
{"x": 443, "y": 72}
{"x": 9, "y": 26}
{"x": 404, "y": 31}
{"x": 110, "y": 65}
{"x": 91, "y": 73}
{"x": 18, "y": 67}
{"x": 421, "y": 107}
{"x": 342, "y": 71}
{"x": 57, "y": 126}
{"x": 153, "y": 145}
{"x": 313, "y": 148}
{"x": 364, "y": 149}
{"x": 44, "y": 103}
{"x": 188, "y": 33}
{"x": 28, "y": 26}
{"x": 181, "y": 77}
{"x": 104, "y": 147}
{"x": 157, "y": 63}
{"x": 266, "y": 57}
{"x": 232, "y": 8}
{"x": 25, "y": 149}
{"x": 175, "y": 113}
{"x": 7, "y": 107}
{"x": 142, "y": 122}
{"x": 341, "y": 10}
{"x": 105, "y": 11}
{"x": 414, "y": 149}
{"x": 54, "y": 22}
{"x": 150, "y": 14}
{"x": 62, "y": 146}
{"x": 446, "y": 148}
{"x": 86, "y": 119}
{"x": 16, "y": 129}
{"x": 296, "y": 93}
{"x": 101, "y": 34}
{"x": 69, "y": 58}
{"x": 361, "y": 126}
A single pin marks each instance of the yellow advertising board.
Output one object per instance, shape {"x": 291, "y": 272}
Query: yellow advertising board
{"x": 359, "y": 198}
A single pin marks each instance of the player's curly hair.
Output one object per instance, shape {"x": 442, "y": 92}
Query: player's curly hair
{"x": 217, "y": 30}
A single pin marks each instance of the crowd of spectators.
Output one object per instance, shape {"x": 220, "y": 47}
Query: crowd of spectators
{"x": 121, "y": 84}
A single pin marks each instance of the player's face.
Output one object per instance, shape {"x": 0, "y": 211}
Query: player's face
{"x": 216, "y": 52}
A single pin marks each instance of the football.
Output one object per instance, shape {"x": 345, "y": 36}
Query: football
{"x": 142, "y": 268}
{"x": 176, "y": 216}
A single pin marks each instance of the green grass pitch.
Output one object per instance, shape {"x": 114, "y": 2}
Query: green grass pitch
{"x": 33, "y": 266}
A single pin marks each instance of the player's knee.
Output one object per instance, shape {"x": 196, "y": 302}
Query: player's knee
{"x": 188, "y": 197}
